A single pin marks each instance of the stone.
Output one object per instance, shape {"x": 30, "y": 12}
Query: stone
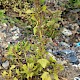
{"x": 2, "y": 36}
{"x": 76, "y": 78}
{"x": 68, "y": 54}
{"x": 75, "y": 66}
{"x": 49, "y": 50}
{"x": 67, "y": 51}
{"x": 28, "y": 26}
{"x": 5, "y": 64}
{"x": 0, "y": 59}
{"x": 4, "y": 24}
{"x": 15, "y": 37}
{"x": 15, "y": 30}
{"x": 5, "y": 45}
{"x": 79, "y": 66}
{"x": 64, "y": 44}
{"x": 66, "y": 32}
{"x": 71, "y": 56}
{"x": 78, "y": 44}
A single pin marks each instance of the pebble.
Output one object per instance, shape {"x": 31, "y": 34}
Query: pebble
{"x": 15, "y": 37}
{"x": 15, "y": 30}
{"x": 78, "y": 44}
{"x": 4, "y": 24}
{"x": 2, "y": 36}
{"x": 4, "y": 45}
{"x": 64, "y": 44}
{"x": 0, "y": 59}
{"x": 76, "y": 78}
{"x": 67, "y": 51}
{"x": 68, "y": 54}
{"x": 75, "y": 66}
{"x": 5, "y": 64}
{"x": 79, "y": 66}
{"x": 49, "y": 50}
{"x": 66, "y": 32}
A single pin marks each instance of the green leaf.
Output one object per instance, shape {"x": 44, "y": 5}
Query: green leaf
{"x": 15, "y": 78}
{"x": 30, "y": 74}
{"x": 25, "y": 68}
{"x": 30, "y": 65}
{"x": 2, "y": 13}
{"x": 20, "y": 53}
{"x": 29, "y": 11}
{"x": 27, "y": 47}
{"x": 33, "y": 17}
{"x": 35, "y": 30}
{"x": 17, "y": 71}
{"x": 46, "y": 76}
{"x": 56, "y": 76}
{"x": 43, "y": 62}
{"x": 77, "y": 4}
{"x": 44, "y": 7}
{"x": 4, "y": 73}
{"x": 10, "y": 52}
{"x": 50, "y": 22}
{"x": 12, "y": 67}
{"x": 16, "y": 47}
{"x": 42, "y": 1}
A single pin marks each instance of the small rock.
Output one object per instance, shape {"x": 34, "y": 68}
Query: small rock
{"x": 78, "y": 44}
{"x": 3, "y": 27}
{"x": 75, "y": 66}
{"x": 15, "y": 30}
{"x": 5, "y": 64}
{"x": 28, "y": 26}
{"x": 69, "y": 55}
{"x": 66, "y": 32}
{"x": 2, "y": 36}
{"x": 4, "y": 45}
{"x": 15, "y": 37}
{"x": 4, "y": 24}
{"x": 76, "y": 78}
{"x": 67, "y": 51}
{"x": 64, "y": 44}
{"x": 79, "y": 65}
{"x": 0, "y": 59}
{"x": 49, "y": 50}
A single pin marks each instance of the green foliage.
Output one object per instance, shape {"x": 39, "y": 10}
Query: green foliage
{"x": 74, "y": 3}
{"x": 27, "y": 62}
{"x": 46, "y": 20}
{"x": 31, "y": 16}
{"x": 46, "y": 76}
{"x": 43, "y": 62}
{"x": 12, "y": 21}
{"x": 2, "y": 16}
{"x": 42, "y": 1}
{"x": 15, "y": 9}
